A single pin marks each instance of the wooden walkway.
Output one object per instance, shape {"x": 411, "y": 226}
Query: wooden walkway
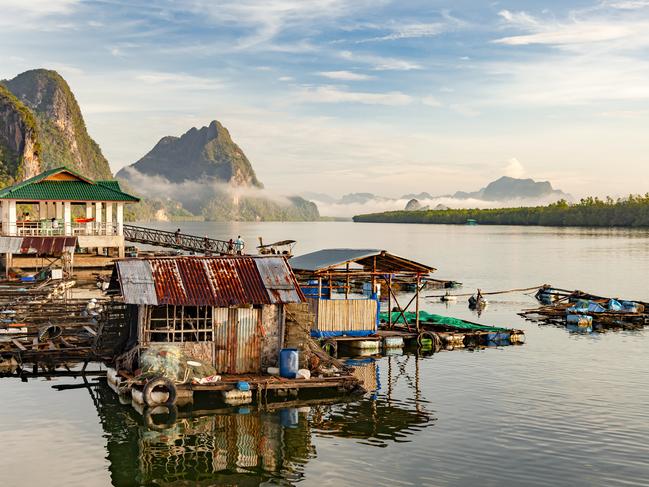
{"x": 181, "y": 241}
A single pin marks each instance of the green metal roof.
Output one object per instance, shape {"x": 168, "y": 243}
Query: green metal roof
{"x": 83, "y": 189}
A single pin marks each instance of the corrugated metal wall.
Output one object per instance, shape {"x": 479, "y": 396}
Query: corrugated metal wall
{"x": 344, "y": 314}
{"x": 236, "y": 340}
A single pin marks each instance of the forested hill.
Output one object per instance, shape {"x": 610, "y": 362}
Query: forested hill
{"x": 589, "y": 212}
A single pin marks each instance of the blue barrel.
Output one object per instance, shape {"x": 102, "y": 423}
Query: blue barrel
{"x": 288, "y": 362}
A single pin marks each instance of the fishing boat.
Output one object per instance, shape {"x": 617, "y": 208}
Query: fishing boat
{"x": 283, "y": 247}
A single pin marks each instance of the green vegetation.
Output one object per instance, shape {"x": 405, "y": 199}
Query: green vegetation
{"x": 589, "y": 212}
{"x": 224, "y": 208}
{"x": 13, "y": 110}
{"x": 63, "y": 134}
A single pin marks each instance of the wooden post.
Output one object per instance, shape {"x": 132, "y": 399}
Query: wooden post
{"x": 417, "y": 304}
{"x": 389, "y": 300}
{"x": 347, "y": 284}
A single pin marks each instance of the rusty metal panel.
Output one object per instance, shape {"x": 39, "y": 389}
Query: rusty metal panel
{"x": 169, "y": 286}
{"x": 279, "y": 280}
{"x": 237, "y": 342}
{"x": 136, "y": 282}
{"x": 248, "y": 349}
{"x": 221, "y": 336}
{"x": 54, "y": 246}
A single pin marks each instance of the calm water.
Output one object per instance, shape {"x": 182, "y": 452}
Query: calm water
{"x": 563, "y": 409}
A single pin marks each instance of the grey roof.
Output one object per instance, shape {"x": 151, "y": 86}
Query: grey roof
{"x": 326, "y": 259}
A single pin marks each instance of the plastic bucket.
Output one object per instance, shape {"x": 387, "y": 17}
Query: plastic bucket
{"x": 288, "y": 362}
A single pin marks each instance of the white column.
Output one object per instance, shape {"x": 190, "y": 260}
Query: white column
{"x": 120, "y": 218}
{"x": 5, "y": 218}
{"x": 109, "y": 218}
{"x": 67, "y": 217}
{"x": 59, "y": 210}
{"x": 42, "y": 210}
{"x": 89, "y": 215}
{"x": 13, "y": 230}
{"x": 98, "y": 216}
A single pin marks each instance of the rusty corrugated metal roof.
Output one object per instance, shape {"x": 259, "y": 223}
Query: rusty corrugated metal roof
{"x": 217, "y": 281}
{"x": 55, "y": 246}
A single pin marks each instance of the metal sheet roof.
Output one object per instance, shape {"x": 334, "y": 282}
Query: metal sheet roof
{"x": 212, "y": 281}
{"x": 330, "y": 259}
{"x": 54, "y": 246}
{"x": 136, "y": 282}
{"x": 327, "y": 258}
{"x": 48, "y": 245}
{"x": 10, "y": 245}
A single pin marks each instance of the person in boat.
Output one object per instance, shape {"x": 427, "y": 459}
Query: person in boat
{"x": 239, "y": 244}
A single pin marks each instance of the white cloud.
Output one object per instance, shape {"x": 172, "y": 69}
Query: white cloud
{"x": 431, "y": 101}
{"x": 380, "y": 63}
{"x": 331, "y": 94}
{"x": 38, "y": 8}
{"x": 269, "y": 18}
{"x": 410, "y": 31}
{"x": 514, "y": 169}
{"x": 285, "y": 78}
{"x": 464, "y": 110}
{"x": 345, "y": 75}
{"x": 178, "y": 80}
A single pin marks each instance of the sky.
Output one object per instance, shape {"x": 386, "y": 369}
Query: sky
{"x": 340, "y": 96}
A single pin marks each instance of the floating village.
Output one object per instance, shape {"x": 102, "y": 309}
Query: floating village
{"x": 202, "y": 320}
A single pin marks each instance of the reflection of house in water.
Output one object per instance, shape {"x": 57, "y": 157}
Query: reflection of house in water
{"x": 231, "y": 447}
{"x": 247, "y": 447}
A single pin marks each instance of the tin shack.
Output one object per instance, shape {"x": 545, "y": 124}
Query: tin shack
{"x": 225, "y": 311}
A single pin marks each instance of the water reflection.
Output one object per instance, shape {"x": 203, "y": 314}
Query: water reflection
{"x": 255, "y": 445}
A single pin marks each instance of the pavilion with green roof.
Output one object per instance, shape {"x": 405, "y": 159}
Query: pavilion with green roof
{"x": 62, "y": 202}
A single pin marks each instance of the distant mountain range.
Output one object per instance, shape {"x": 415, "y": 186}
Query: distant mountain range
{"x": 505, "y": 191}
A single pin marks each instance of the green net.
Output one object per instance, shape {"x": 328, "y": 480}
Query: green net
{"x": 433, "y": 319}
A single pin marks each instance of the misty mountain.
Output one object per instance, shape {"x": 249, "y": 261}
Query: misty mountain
{"x": 507, "y": 188}
{"x": 503, "y": 192}
{"x": 209, "y": 175}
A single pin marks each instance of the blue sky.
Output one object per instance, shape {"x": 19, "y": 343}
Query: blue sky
{"x": 357, "y": 95}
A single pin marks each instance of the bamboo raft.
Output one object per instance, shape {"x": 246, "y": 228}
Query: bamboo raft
{"x": 586, "y": 312}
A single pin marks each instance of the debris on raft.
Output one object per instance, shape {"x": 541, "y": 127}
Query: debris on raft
{"x": 40, "y": 324}
{"x": 445, "y": 331}
{"x": 584, "y": 312}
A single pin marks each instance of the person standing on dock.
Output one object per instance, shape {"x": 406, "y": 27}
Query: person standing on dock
{"x": 177, "y": 235}
{"x": 239, "y": 245}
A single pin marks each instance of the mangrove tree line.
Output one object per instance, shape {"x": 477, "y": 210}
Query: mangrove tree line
{"x": 589, "y": 212}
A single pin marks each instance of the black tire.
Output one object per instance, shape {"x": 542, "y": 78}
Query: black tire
{"x": 149, "y": 387}
{"x": 172, "y": 417}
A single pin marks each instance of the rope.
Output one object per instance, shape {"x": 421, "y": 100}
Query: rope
{"x": 507, "y": 291}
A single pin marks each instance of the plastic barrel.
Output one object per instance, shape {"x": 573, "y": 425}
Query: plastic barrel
{"x": 288, "y": 362}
